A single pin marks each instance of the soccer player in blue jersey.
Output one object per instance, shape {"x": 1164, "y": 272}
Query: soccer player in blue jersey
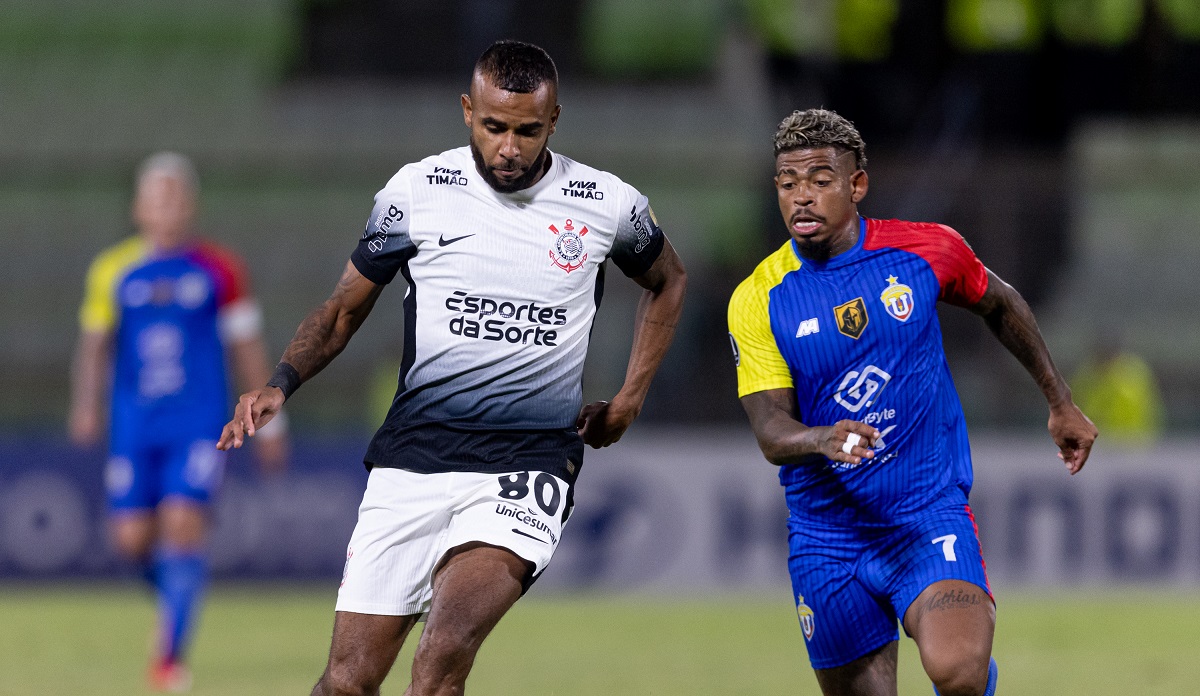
{"x": 161, "y": 311}
{"x": 504, "y": 246}
{"x": 842, "y": 373}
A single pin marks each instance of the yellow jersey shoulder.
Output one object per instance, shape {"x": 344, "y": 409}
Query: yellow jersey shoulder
{"x": 769, "y": 273}
{"x": 99, "y": 310}
{"x": 760, "y": 366}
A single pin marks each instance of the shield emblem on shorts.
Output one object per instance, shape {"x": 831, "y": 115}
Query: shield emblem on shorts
{"x": 851, "y": 317}
{"x": 805, "y": 612}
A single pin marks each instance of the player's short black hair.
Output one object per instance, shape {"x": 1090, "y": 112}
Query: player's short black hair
{"x": 516, "y": 66}
{"x": 820, "y": 128}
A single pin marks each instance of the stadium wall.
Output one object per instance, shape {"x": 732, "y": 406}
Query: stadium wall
{"x": 665, "y": 511}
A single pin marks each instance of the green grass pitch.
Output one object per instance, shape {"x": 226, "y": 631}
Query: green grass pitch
{"x": 272, "y": 639}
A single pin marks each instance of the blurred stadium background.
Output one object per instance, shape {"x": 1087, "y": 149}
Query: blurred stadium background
{"x": 1061, "y": 137}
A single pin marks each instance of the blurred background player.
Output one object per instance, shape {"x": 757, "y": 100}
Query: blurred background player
{"x": 1118, "y": 390}
{"x": 161, "y": 312}
{"x": 842, "y": 373}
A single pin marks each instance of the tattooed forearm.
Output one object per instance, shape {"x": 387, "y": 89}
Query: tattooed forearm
{"x": 954, "y": 599}
{"x": 328, "y": 328}
{"x": 314, "y": 345}
{"x": 1013, "y": 323}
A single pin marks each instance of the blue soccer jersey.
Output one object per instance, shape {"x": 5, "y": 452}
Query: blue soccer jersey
{"x": 169, "y": 316}
{"x": 857, "y": 337}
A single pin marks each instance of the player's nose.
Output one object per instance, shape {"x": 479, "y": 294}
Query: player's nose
{"x": 802, "y": 197}
{"x": 508, "y": 146}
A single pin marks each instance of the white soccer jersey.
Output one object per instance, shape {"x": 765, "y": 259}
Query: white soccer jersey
{"x": 502, "y": 292}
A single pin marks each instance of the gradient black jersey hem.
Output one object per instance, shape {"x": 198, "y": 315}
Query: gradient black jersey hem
{"x": 434, "y": 448}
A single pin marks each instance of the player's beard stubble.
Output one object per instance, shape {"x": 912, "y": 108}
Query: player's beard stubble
{"x": 540, "y": 164}
{"x": 814, "y": 251}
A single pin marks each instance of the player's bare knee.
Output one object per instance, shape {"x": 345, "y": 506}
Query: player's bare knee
{"x": 132, "y": 541}
{"x": 447, "y": 649}
{"x": 959, "y": 675}
{"x": 349, "y": 677}
{"x": 132, "y": 549}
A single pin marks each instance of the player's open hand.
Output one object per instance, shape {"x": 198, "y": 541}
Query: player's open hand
{"x": 602, "y": 423}
{"x": 254, "y": 410}
{"x": 1074, "y": 434}
{"x": 848, "y": 441}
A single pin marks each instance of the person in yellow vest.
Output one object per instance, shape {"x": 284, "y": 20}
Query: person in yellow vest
{"x": 1118, "y": 390}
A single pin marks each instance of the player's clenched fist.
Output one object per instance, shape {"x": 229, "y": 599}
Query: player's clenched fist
{"x": 602, "y": 423}
{"x": 847, "y": 441}
{"x": 1074, "y": 434}
{"x": 254, "y": 410}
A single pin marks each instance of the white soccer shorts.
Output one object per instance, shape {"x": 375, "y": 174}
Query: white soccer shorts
{"x": 407, "y": 522}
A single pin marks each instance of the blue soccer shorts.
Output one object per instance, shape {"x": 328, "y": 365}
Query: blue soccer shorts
{"x": 852, "y": 585}
{"x": 139, "y": 477}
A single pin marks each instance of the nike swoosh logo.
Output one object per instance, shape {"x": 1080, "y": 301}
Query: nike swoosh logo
{"x": 442, "y": 241}
{"x": 530, "y": 536}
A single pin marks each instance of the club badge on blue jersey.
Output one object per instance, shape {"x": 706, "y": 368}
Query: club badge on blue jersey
{"x": 897, "y": 298}
{"x": 851, "y": 317}
{"x": 805, "y": 612}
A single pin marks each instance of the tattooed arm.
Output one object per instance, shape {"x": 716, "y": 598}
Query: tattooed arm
{"x": 321, "y": 336}
{"x": 1008, "y": 316}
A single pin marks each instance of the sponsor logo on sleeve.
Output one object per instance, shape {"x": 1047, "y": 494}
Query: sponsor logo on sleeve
{"x": 377, "y": 230}
{"x": 897, "y": 299}
{"x": 568, "y": 252}
{"x": 643, "y": 230}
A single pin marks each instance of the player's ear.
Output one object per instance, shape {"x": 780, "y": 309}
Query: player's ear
{"x": 554, "y": 117}
{"x": 466, "y": 106}
{"x": 858, "y": 185}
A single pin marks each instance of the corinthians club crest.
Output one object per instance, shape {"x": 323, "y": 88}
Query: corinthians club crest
{"x": 897, "y": 298}
{"x": 567, "y": 252}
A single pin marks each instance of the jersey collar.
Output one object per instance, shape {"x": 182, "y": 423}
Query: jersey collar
{"x": 528, "y": 194}
{"x": 846, "y": 257}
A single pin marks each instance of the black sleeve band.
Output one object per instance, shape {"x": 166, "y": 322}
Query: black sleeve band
{"x": 286, "y": 379}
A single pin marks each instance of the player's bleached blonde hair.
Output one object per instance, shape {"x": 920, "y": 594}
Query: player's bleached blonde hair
{"x": 173, "y": 164}
{"x": 820, "y": 128}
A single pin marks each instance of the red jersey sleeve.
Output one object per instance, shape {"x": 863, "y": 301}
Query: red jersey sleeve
{"x": 961, "y": 275}
{"x": 228, "y": 273}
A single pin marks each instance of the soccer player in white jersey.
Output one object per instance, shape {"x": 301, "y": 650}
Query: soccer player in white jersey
{"x": 503, "y": 245}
